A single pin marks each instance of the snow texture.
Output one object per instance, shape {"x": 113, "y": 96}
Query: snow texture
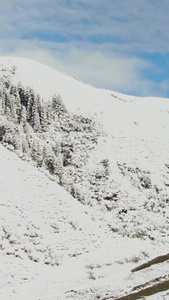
{"x": 56, "y": 246}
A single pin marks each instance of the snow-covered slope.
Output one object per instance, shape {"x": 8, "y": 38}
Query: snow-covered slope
{"x": 123, "y": 112}
{"x": 118, "y": 167}
{"x": 120, "y": 112}
{"x": 53, "y": 247}
{"x": 47, "y": 82}
{"x": 143, "y": 122}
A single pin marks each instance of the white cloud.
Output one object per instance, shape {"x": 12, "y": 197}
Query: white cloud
{"x": 140, "y": 24}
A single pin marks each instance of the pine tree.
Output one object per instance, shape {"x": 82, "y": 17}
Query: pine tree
{"x": 2, "y": 101}
{"x": 42, "y": 115}
{"x": 37, "y": 152}
{"x": 22, "y": 119}
{"x": 58, "y": 106}
{"x": 35, "y": 120}
{"x": 10, "y": 107}
{"x": 30, "y": 102}
{"x": 23, "y": 95}
{"x": 16, "y": 99}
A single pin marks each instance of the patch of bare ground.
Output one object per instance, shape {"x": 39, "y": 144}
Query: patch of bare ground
{"x": 156, "y": 260}
{"x": 152, "y": 287}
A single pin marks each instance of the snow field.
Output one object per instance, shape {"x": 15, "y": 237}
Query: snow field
{"x": 54, "y": 247}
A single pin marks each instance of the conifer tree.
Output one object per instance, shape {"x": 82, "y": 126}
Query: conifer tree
{"x": 30, "y": 102}
{"x": 2, "y": 101}
{"x": 22, "y": 119}
{"x": 42, "y": 115}
{"x": 23, "y": 95}
{"x": 35, "y": 120}
{"x": 37, "y": 152}
{"x": 58, "y": 106}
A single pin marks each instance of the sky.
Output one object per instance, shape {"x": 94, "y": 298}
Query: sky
{"x": 121, "y": 45}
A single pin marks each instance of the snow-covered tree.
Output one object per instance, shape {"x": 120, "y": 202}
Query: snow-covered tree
{"x": 58, "y": 105}
{"x": 22, "y": 118}
{"x": 37, "y": 152}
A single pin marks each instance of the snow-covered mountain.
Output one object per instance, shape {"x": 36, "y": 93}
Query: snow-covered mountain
{"x": 85, "y": 188}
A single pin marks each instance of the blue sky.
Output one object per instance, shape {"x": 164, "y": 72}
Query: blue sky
{"x": 122, "y": 45}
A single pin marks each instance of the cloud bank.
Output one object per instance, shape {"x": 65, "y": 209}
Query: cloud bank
{"x": 99, "y": 42}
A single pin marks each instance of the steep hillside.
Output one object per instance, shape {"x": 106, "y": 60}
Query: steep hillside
{"x": 53, "y": 247}
{"x": 104, "y": 148}
{"x": 107, "y": 151}
{"x": 46, "y": 82}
